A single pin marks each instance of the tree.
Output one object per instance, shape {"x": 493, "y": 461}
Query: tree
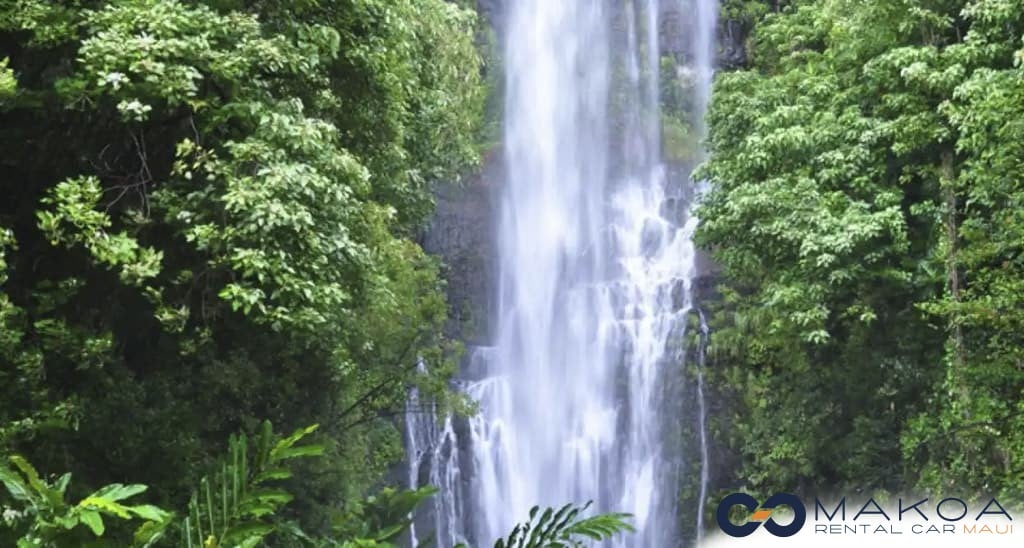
{"x": 207, "y": 219}
{"x": 845, "y": 214}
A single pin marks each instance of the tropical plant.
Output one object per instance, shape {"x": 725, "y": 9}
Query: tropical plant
{"x": 234, "y": 506}
{"x": 564, "y": 528}
{"x": 380, "y": 520}
{"x": 42, "y": 516}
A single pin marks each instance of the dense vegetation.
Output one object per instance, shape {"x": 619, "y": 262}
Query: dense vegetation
{"x": 237, "y": 506}
{"x": 867, "y": 216}
{"x": 207, "y": 220}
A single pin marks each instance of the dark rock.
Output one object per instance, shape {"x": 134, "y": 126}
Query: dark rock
{"x": 678, "y": 294}
{"x": 706, "y": 279}
{"x": 493, "y": 12}
{"x": 673, "y": 29}
{"x": 461, "y": 233}
{"x": 732, "y": 47}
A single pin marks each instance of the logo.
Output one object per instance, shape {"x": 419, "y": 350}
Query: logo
{"x": 762, "y": 515}
{"x": 949, "y": 516}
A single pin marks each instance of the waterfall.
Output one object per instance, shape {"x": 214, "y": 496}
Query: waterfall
{"x": 702, "y": 425}
{"x": 433, "y": 459}
{"x": 579, "y": 394}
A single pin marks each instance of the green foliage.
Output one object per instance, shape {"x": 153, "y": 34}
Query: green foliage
{"x": 8, "y": 84}
{"x": 563, "y": 527}
{"x": 866, "y": 218}
{"x": 232, "y": 507}
{"x": 746, "y": 11}
{"x": 680, "y": 144}
{"x": 74, "y": 220}
{"x": 379, "y": 521}
{"x": 240, "y": 507}
{"x": 208, "y": 220}
{"x": 977, "y": 438}
{"x": 43, "y": 517}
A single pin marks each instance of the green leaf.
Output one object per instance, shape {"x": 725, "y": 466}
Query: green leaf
{"x": 93, "y": 520}
{"x": 106, "y": 506}
{"x": 14, "y": 484}
{"x": 281, "y": 448}
{"x": 250, "y": 530}
{"x": 300, "y": 451}
{"x": 149, "y": 512}
{"x": 45, "y": 492}
{"x": 116, "y": 491}
{"x": 149, "y": 533}
{"x": 272, "y": 474}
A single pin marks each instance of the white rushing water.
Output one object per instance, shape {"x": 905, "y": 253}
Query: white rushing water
{"x": 596, "y": 264}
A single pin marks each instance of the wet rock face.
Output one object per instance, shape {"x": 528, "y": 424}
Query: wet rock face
{"x": 673, "y": 30}
{"x": 492, "y": 12}
{"x": 461, "y": 234}
{"x": 732, "y": 48}
{"x": 706, "y": 279}
{"x": 676, "y": 25}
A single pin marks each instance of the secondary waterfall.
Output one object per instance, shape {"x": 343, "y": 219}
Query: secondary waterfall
{"x": 580, "y": 394}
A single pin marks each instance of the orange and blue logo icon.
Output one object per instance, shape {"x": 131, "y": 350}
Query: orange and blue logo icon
{"x": 761, "y": 514}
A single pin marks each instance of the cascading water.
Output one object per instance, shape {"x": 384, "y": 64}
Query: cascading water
{"x": 432, "y": 449}
{"x": 596, "y": 265}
